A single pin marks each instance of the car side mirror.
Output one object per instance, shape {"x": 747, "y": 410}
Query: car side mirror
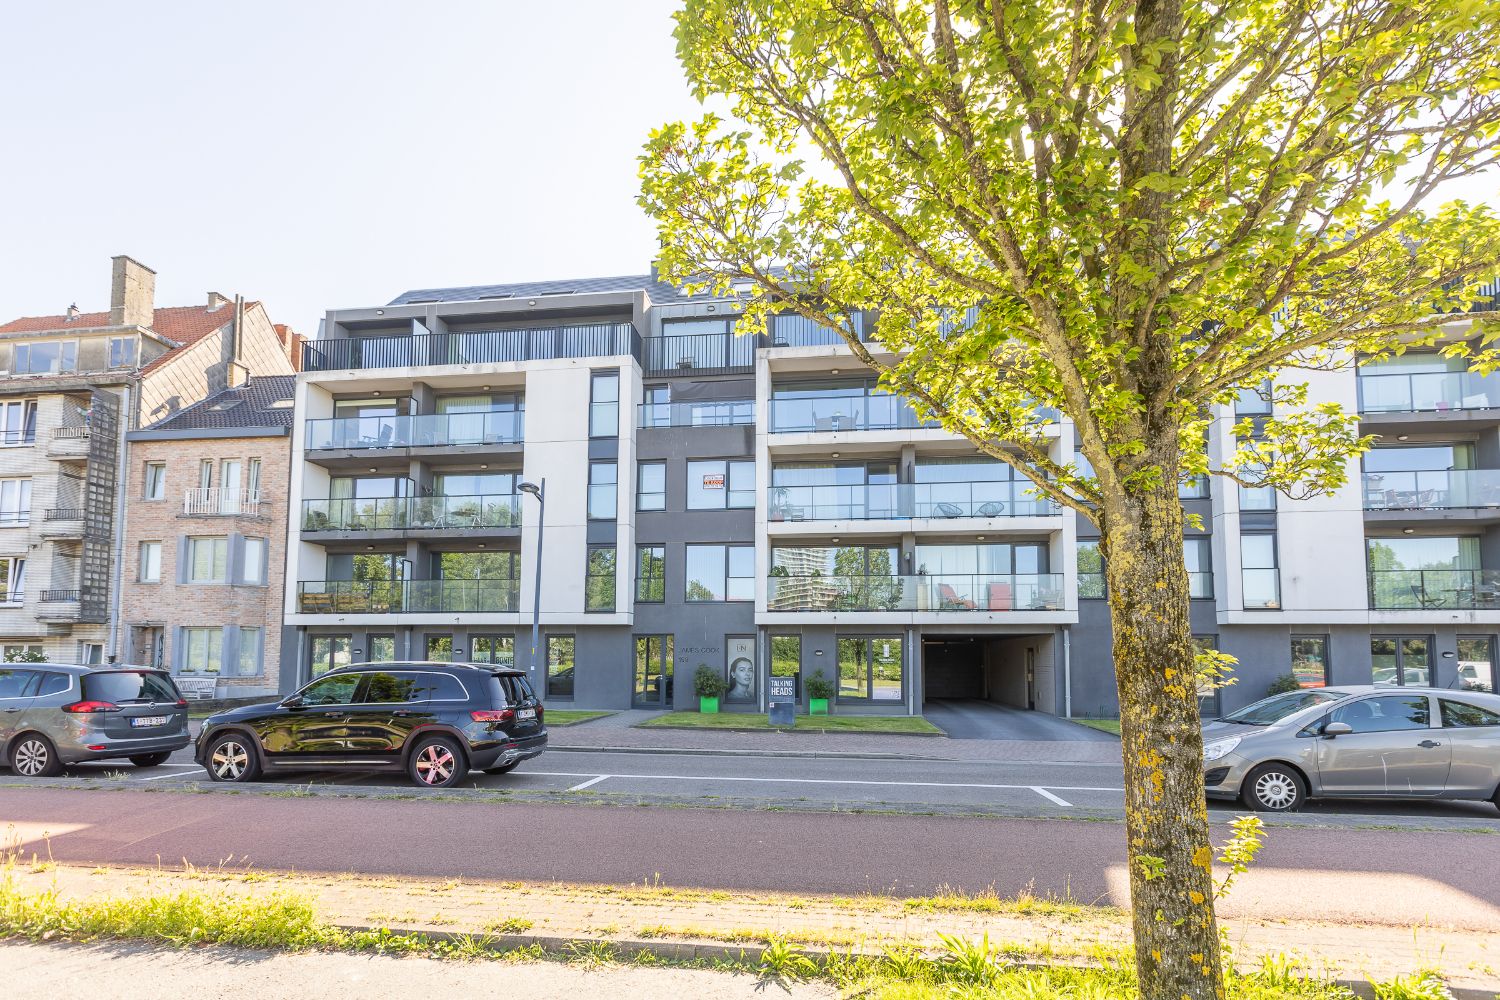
{"x": 1337, "y": 729}
{"x": 292, "y": 701}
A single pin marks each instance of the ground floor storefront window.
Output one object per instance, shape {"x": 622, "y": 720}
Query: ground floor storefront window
{"x": 1476, "y": 662}
{"x": 653, "y": 671}
{"x": 1310, "y": 660}
{"x": 1401, "y": 660}
{"x": 561, "y": 653}
{"x": 870, "y": 668}
{"x": 329, "y": 652}
{"x": 786, "y": 658}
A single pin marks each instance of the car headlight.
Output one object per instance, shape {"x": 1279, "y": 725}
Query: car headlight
{"x": 1219, "y": 748}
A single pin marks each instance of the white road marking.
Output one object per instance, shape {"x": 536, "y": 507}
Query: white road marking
{"x": 584, "y": 784}
{"x": 158, "y": 777}
{"x": 828, "y": 781}
{"x": 1050, "y": 797}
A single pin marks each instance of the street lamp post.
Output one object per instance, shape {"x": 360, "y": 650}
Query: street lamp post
{"x": 538, "y": 490}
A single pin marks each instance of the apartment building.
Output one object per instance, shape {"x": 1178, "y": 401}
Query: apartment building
{"x": 204, "y": 539}
{"x": 71, "y": 386}
{"x": 760, "y": 506}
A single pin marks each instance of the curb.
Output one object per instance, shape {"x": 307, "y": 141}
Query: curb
{"x": 793, "y": 730}
{"x": 715, "y": 752}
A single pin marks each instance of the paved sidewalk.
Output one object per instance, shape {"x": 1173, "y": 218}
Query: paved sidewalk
{"x": 617, "y": 732}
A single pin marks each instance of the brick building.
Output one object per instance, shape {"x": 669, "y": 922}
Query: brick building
{"x": 71, "y": 386}
{"x": 205, "y": 538}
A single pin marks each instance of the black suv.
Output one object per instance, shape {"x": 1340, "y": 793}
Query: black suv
{"x": 435, "y": 721}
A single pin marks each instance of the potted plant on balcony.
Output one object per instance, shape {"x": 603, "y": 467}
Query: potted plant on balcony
{"x": 819, "y": 690}
{"x": 710, "y": 686}
{"x": 779, "y": 505}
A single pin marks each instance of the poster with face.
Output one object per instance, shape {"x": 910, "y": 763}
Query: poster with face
{"x": 740, "y": 653}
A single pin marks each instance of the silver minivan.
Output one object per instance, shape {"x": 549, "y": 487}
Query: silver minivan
{"x": 53, "y": 714}
{"x": 1356, "y": 742}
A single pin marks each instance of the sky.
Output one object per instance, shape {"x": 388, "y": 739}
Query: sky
{"x": 318, "y": 155}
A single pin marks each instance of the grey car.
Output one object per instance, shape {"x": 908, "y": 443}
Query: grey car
{"x": 1355, "y": 742}
{"x": 52, "y": 714}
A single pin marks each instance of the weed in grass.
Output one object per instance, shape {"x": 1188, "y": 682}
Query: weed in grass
{"x": 781, "y": 962}
{"x": 969, "y": 963}
{"x": 1424, "y": 985}
{"x": 591, "y": 954}
{"x": 511, "y": 925}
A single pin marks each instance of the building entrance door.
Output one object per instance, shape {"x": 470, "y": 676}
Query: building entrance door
{"x": 653, "y": 672}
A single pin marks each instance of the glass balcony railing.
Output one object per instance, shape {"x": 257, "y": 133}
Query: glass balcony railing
{"x": 947, "y": 592}
{"x": 714, "y": 413}
{"x": 904, "y": 501}
{"x": 597, "y": 340}
{"x": 1428, "y": 391}
{"x": 1434, "y": 589}
{"x": 403, "y": 513}
{"x": 856, "y": 412}
{"x": 379, "y": 597}
{"x": 426, "y": 430}
{"x": 1437, "y": 489}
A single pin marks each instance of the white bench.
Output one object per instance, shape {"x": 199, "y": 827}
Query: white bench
{"x": 197, "y": 688}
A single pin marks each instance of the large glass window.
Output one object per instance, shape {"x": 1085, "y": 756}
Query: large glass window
{"x": 382, "y": 648}
{"x": 329, "y": 652}
{"x": 1385, "y": 714}
{"x": 1257, "y": 498}
{"x": 46, "y": 357}
{"x": 1476, "y": 662}
{"x": 497, "y": 649}
{"x": 602, "y": 478}
{"x": 440, "y": 648}
{"x": 1401, "y": 660}
{"x": 972, "y": 487}
{"x": 15, "y": 502}
{"x": 604, "y": 404}
{"x": 1197, "y": 553}
{"x": 870, "y": 668}
{"x": 560, "y": 663}
{"x": 17, "y": 422}
{"x": 651, "y": 486}
{"x": 208, "y": 559}
{"x": 1424, "y": 572}
{"x": 599, "y": 586}
{"x": 982, "y": 558}
{"x": 835, "y": 490}
{"x": 653, "y": 671}
{"x": 650, "y": 574}
{"x": 1310, "y": 660}
{"x": 1261, "y": 580}
{"x": 717, "y": 484}
{"x": 1090, "y": 570}
{"x": 202, "y": 650}
{"x": 786, "y": 658}
{"x": 720, "y": 573}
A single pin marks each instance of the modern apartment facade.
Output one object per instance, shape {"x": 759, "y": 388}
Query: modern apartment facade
{"x": 760, "y": 506}
{"x": 71, "y": 386}
{"x": 204, "y": 539}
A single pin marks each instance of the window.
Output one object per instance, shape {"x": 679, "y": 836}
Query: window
{"x": 1198, "y": 555}
{"x": 1260, "y": 581}
{"x": 155, "y": 481}
{"x": 604, "y": 405}
{"x": 249, "y": 653}
{"x": 15, "y": 502}
{"x": 440, "y": 648}
{"x": 207, "y": 559}
{"x": 1462, "y": 715}
{"x": 13, "y": 682}
{"x": 602, "y": 491}
{"x": 1209, "y": 706}
{"x": 560, "y": 654}
{"x": 22, "y": 652}
{"x": 1310, "y": 660}
{"x": 1385, "y": 714}
{"x": 12, "y": 580}
{"x": 122, "y": 351}
{"x": 149, "y": 569}
{"x": 599, "y": 587}
{"x": 18, "y": 422}
{"x": 392, "y": 689}
{"x": 651, "y": 486}
{"x": 716, "y": 485}
{"x": 253, "y": 569}
{"x": 870, "y": 669}
{"x": 720, "y": 573}
{"x": 202, "y": 650}
{"x": 46, "y": 358}
{"x": 382, "y": 648}
{"x": 653, "y": 671}
{"x": 1401, "y": 660}
{"x": 1476, "y": 662}
{"x": 1193, "y": 488}
{"x": 496, "y": 649}
{"x": 337, "y": 690}
{"x": 1255, "y": 401}
{"x": 1090, "y": 571}
{"x": 1424, "y": 572}
{"x": 651, "y": 574}
{"x": 205, "y": 473}
{"x": 1257, "y": 498}
{"x": 786, "y": 658}
{"x": 52, "y": 683}
{"x": 252, "y": 479}
{"x": 329, "y": 652}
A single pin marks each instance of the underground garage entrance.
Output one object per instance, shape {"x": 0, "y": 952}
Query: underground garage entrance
{"x": 997, "y": 687}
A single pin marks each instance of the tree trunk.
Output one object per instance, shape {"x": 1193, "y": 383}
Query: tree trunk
{"x": 1166, "y": 820}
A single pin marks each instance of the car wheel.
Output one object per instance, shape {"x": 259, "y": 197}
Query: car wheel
{"x": 232, "y": 758}
{"x": 149, "y": 759}
{"x": 1273, "y": 788}
{"x": 503, "y": 768}
{"x": 437, "y": 762}
{"x": 34, "y": 756}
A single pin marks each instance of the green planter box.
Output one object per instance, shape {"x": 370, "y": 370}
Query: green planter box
{"x": 817, "y": 706}
{"x": 708, "y": 706}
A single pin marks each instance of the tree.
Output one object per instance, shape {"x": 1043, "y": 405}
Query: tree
{"x": 1128, "y": 211}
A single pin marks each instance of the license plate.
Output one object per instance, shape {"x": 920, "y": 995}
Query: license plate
{"x": 526, "y": 713}
{"x": 143, "y": 721}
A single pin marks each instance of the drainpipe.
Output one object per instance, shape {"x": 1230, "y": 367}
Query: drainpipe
{"x": 122, "y": 478}
{"x": 1067, "y": 673}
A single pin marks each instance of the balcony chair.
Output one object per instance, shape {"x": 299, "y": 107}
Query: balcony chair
{"x": 317, "y": 604}
{"x": 948, "y": 599}
{"x": 947, "y": 510}
{"x": 1000, "y": 597}
{"x": 993, "y": 508}
{"x": 1427, "y": 603}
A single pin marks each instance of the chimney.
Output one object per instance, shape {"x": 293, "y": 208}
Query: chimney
{"x": 216, "y": 301}
{"x": 132, "y": 293}
{"x": 73, "y": 311}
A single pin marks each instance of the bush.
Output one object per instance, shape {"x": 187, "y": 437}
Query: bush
{"x": 819, "y": 686}
{"x": 709, "y": 683}
{"x": 1283, "y": 684}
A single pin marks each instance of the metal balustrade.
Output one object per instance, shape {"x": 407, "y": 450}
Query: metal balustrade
{"x": 220, "y": 500}
{"x": 472, "y": 347}
{"x": 407, "y": 596}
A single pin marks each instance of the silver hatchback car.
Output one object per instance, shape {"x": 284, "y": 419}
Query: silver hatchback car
{"x": 1355, "y": 742}
{"x": 52, "y": 714}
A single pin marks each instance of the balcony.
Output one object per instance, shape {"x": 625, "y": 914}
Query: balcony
{"x": 59, "y": 605}
{"x": 1436, "y": 489}
{"x": 69, "y": 444}
{"x": 698, "y": 354}
{"x": 434, "y": 430}
{"x": 989, "y": 592}
{"x": 906, "y": 501}
{"x": 715, "y": 413}
{"x": 1428, "y": 392}
{"x": 412, "y": 513}
{"x": 1435, "y": 590}
{"x": 220, "y": 501}
{"x": 473, "y": 347}
{"x": 395, "y": 597}
{"x": 856, "y": 412}
{"x": 63, "y": 523}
